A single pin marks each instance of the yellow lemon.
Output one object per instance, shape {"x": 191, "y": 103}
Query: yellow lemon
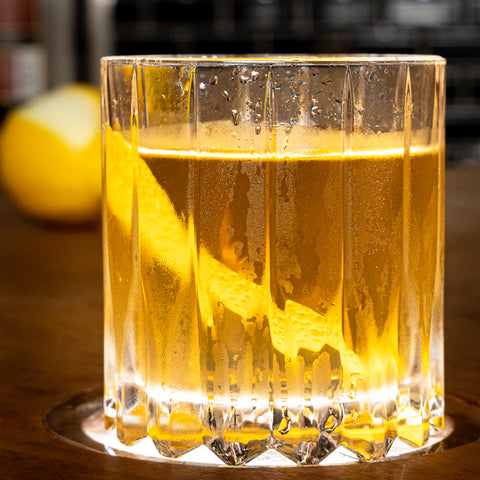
{"x": 50, "y": 156}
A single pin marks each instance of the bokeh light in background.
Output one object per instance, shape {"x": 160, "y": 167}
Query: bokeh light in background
{"x": 48, "y": 42}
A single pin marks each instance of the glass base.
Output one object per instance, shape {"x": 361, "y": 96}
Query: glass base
{"x": 81, "y": 421}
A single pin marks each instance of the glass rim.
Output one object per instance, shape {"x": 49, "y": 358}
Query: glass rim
{"x": 274, "y": 59}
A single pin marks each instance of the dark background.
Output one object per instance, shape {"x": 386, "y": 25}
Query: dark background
{"x": 67, "y": 37}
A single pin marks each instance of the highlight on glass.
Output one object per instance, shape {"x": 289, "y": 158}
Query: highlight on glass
{"x": 273, "y": 251}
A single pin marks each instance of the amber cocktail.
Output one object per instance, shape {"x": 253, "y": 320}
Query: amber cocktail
{"x": 273, "y": 244}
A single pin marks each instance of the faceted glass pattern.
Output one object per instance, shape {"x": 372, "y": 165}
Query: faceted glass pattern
{"x": 273, "y": 248}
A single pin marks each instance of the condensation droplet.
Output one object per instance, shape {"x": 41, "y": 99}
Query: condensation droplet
{"x": 214, "y": 80}
{"x": 243, "y": 79}
{"x": 294, "y": 93}
{"x": 202, "y": 86}
{"x": 226, "y": 95}
{"x": 254, "y": 75}
{"x": 258, "y": 129}
{"x": 235, "y": 117}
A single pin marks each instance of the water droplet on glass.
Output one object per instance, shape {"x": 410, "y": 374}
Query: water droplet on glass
{"x": 243, "y": 79}
{"x": 163, "y": 96}
{"x": 294, "y": 93}
{"x": 235, "y": 117}
{"x": 214, "y": 80}
{"x": 258, "y": 129}
{"x": 202, "y": 86}
{"x": 254, "y": 75}
{"x": 226, "y": 95}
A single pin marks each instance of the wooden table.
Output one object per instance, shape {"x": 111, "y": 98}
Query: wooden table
{"x": 51, "y": 349}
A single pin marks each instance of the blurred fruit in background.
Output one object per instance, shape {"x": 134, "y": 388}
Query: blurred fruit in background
{"x": 50, "y": 156}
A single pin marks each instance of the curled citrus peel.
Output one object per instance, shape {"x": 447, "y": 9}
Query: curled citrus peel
{"x": 166, "y": 237}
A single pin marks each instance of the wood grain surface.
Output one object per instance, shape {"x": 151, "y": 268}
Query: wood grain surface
{"x": 51, "y": 349}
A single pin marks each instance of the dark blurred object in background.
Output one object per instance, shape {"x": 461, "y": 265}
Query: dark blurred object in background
{"x": 450, "y": 28}
{"x": 22, "y": 52}
{"x": 76, "y": 33}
